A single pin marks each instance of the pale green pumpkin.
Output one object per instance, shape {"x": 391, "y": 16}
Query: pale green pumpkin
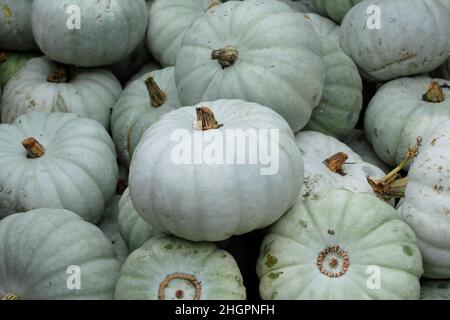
{"x": 140, "y": 105}
{"x": 11, "y": 62}
{"x": 403, "y": 110}
{"x": 435, "y": 290}
{"x": 167, "y": 268}
{"x": 134, "y": 230}
{"x": 335, "y": 9}
{"x": 345, "y": 246}
{"x": 53, "y": 254}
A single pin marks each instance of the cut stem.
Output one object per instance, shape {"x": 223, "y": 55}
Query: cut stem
{"x": 206, "y": 120}
{"x": 33, "y": 147}
{"x": 2, "y": 57}
{"x": 335, "y": 163}
{"x": 226, "y": 56}
{"x": 57, "y": 75}
{"x": 434, "y": 93}
{"x": 10, "y": 296}
{"x": 157, "y": 96}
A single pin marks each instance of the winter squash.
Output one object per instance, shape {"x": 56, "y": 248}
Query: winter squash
{"x": 341, "y": 103}
{"x": 133, "y": 229}
{"x": 163, "y": 38}
{"x": 403, "y": 110}
{"x": 331, "y": 164}
{"x": 15, "y": 25}
{"x": 228, "y": 53}
{"x": 11, "y": 62}
{"x": 357, "y": 141}
{"x": 110, "y": 228}
{"x": 345, "y": 246}
{"x": 426, "y": 203}
{"x": 89, "y": 34}
{"x": 52, "y": 254}
{"x": 56, "y": 160}
{"x": 140, "y": 105}
{"x": 384, "y": 42}
{"x": 191, "y": 155}
{"x": 435, "y": 290}
{"x": 167, "y": 268}
{"x": 335, "y": 9}
{"x": 45, "y": 86}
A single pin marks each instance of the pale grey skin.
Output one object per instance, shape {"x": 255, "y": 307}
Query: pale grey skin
{"x": 435, "y": 290}
{"x": 212, "y": 202}
{"x": 15, "y": 25}
{"x": 397, "y": 49}
{"x": 278, "y": 53}
{"x": 144, "y": 270}
{"x": 110, "y": 30}
{"x": 37, "y": 249}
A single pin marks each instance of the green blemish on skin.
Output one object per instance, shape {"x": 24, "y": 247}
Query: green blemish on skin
{"x": 271, "y": 261}
{"x": 168, "y": 246}
{"x": 274, "y": 275}
{"x": 303, "y": 224}
{"x": 407, "y": 250}
{"x": 6, "y": 11}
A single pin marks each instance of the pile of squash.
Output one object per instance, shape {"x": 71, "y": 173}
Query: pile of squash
{"x": 112, "y": 185}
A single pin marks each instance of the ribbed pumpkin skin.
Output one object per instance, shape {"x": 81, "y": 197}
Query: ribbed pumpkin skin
{"x": 277, "y": 52}
{"x": 364, "y": 227}
{"x": 134, "y": 230}
{"x": 78, "y": 170}
{"x": 14, "y": 62}
{"x": 435, "y": 290}
{"x": 133, "y": 113}
{"x": 426, "y": 205}
{"x": 15, "y": 25}
{"x": 397, "y": 115}
{"x": 164, "y": 38}
{"x": 109, "y": 31}
{"x": 37, "y": 249}
{"x": 335, "y": 9}
{"x": 397, "y": 49}
{"x": 239, "y": 193}
{"x": 90, "y": 93}
{"x": 148, "y": 266}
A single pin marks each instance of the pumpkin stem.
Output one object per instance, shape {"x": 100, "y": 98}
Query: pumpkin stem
{"x": 335, "y": 163}
{"x": 206, "y": 120}
{"x": 226, "y": 56}
{"x": 2, "y": 57}
{"x": 157, "y": 96}
{"x": 57, "y": 75}
{"x": 393, "y": 185}
{"x": 10, "y": 296}
{"x": 434, "y": 93}
{"x": 33, "y": 147}
{"x": 179, "y": 293}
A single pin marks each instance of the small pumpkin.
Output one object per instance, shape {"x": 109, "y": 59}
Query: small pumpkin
{"x": 435, "y": 290}
{"x": 15, "y": 25}
{"x": 11, "y": 62}
{"x": 403, "y": 110}
{"x": 394, "y": 48}
{"x": 217, "y": 195}
{"x": 345, "y": 246}
{"x": 331, "y": 164}
{"x": 86, "y": 33}
{"x": 167, "y": 268}
{"x": 140, "y": 105}
{"x": 335, "y": 9}
{"x": 163, "y": 38}
{"x": 56, "y": 160}
{"x": 45, "y": 86}
{"x": 426, "y": 203}
{"x": 228, "y": 53}
{"x": 134, "y": 230}
{"x": 52, "y": 254}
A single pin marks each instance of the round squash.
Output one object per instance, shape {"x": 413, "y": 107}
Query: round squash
{"x": 167, "y": 268}
{"x": 86, "y": 33}
{"x": 426, "y": 204}
{"x": 394, "y": 48}
{"x": 163, "y": 38}
{"x": 403, "y": 110}
{"x": 331, "y": 164}
{"x": 335, "y": 9}
{"x": 15, "y": 25}
{"x": 45, "y": 86}
{"x": 56, "y": 160}
{"x": 345, "y": 246}
{"x": 11, "y": 62}
{"x": 228, "y": 53}
{"x": 110, "y": 228}
{"x": 134, "y": 230}
{"x": 140, "y": 105}
{"x": 52, "y": 254}
{"x": 435, "y": 290}
{"x": 209, "y": 190}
